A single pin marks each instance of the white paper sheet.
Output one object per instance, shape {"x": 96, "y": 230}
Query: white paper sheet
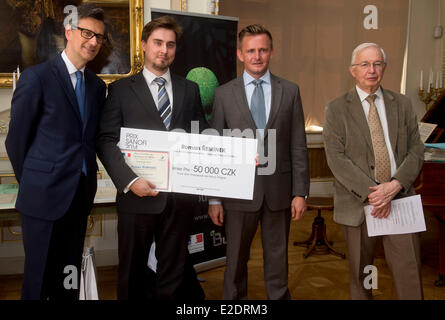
{"x": 406, "y": 216}
{"x": 152, "y": 261}
{"x": 88, "y": 276}
{"x": 106, "y": 191}
{"x": 425, "y": 130}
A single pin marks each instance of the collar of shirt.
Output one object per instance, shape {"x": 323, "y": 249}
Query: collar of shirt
{"x": 267, "y": 89}
{"x": 153, "y": 86}
{"x": 248, "y": 78}
{"x": 363, "y": 95}
{"x": 150, "y": 76}
{"x": 379, "y": 103}
{"x": 72, "y": 69}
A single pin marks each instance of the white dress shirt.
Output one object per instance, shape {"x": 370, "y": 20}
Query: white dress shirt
{"x": 381, "y": 110}
{"x": 72, "y": 69}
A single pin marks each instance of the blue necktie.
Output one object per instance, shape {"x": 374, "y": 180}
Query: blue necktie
{"x": 257, "y": 105}
{"x": 80, "y": 96}
{"x": 164, "y": 107}
{"x": 80, "y": 93}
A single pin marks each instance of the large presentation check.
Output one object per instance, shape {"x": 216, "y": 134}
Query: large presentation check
{"x": 192, "y": 163}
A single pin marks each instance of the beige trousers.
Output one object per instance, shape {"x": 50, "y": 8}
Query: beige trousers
{"x": 402, "y": 253}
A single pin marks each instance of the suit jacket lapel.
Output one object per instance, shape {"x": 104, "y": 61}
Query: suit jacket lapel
{"x": 61, "y": 73}
{"x": 357, "y": 113}
{"x": 275, "y": 103}
{"x": 178, "y": 89}
{"x": 239, "y": 93}
{"x": 144, "y": 96}
{"x": 392, "y": 118}
{"x": 89, "y": 97}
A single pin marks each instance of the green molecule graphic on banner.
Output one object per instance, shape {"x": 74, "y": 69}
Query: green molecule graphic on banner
{"x": 207, "y": 83}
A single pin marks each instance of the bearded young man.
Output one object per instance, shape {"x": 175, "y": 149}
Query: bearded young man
{"x": 153, "y": 99}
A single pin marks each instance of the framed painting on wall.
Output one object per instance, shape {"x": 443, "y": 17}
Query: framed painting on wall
{"x": 33, "y": 32}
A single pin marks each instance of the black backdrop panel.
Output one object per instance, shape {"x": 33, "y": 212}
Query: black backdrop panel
{"x": 210, "y": 42}
{"x": 207, "y": 41}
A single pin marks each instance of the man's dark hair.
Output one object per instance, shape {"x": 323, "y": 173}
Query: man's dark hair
{"x": 166, "y": 22}
{"x": 89, "y": 10}
{"x": 253, "y": 29}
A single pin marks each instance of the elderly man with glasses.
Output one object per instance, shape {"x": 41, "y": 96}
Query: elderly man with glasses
{"x": 374, "y": 150}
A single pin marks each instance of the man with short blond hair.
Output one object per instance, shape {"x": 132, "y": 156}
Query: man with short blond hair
{"x": 269, "y": 107}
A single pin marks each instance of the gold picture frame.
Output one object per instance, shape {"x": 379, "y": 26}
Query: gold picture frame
{"x": 136, "y": 24}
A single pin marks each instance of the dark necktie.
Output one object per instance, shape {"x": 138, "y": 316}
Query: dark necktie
{"x": 257, "y": 105}
{"x": 381, "y": 156}
{"x": 80, "y": 96}
{"x": 164, "y": 107}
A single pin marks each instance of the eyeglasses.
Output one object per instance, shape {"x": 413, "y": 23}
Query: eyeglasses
{"x": 367, "y": 65}
{"x": 88, "y": 34}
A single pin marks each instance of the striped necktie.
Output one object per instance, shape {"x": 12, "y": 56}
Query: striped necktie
{"x": 164, "y": 107}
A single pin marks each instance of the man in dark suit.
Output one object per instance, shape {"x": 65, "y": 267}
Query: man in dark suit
{"x": 273, "y": 109}
{"x": 153, "y": 99}
{"x": 54, "y": 117}
{"x": 374, "y": 150}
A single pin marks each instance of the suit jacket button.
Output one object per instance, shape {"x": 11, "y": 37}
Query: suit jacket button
{"x": 372, "y": 167}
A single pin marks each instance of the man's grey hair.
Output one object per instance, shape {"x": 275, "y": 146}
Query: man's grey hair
{"x": 365, "y": 45}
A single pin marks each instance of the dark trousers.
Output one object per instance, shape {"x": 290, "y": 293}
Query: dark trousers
{"x": 190, "y": 289}
{"x": 51, "y": 246}
{"x": 136, "y": 232}
{"x": 240, "y": 229}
